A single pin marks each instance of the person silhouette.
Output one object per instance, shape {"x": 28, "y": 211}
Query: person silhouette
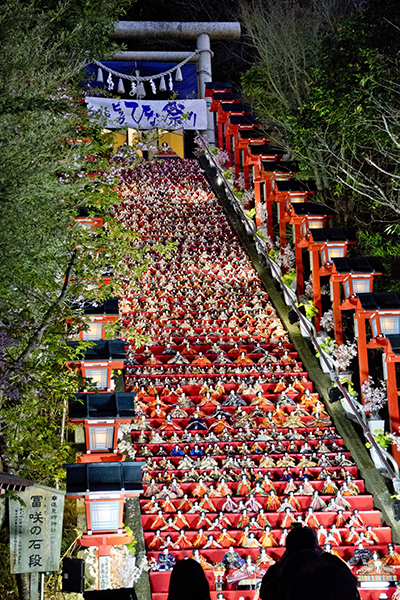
{"x": 188, "y": 582}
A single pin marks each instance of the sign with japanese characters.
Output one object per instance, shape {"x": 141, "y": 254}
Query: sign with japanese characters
{"x": 148, "y": 114}
{"x": 35, "y": 530}
{"x": 104, "y": 573}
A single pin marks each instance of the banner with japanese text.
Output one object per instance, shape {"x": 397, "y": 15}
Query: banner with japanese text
{"x": 148, "y": 114}
{"x": 35, "y": 530}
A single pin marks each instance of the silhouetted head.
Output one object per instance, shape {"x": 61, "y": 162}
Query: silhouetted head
{"x": 188, "y": 582}
{"x": 301, "y": 538}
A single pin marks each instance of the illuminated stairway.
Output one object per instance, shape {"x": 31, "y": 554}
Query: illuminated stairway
{"x": 203, "y": 308}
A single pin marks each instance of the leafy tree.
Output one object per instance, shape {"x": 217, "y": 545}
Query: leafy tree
{"x": 54, "y": 163}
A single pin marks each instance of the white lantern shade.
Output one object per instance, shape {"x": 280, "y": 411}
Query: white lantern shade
{"x": 95, "y": 332}
{"x": 98, "y": 376}
{"x": 101, "y": 437}
{"x": 385, "y": 324}
{"x": 104, "y": 516}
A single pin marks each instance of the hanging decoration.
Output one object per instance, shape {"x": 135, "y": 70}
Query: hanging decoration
{"x": 178, "y": 74}
{"x": 110, "y": 82}
{"x": 137, "y": 82}
{"x": 133, "y": 89}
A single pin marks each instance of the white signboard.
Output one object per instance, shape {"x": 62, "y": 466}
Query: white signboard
{"x": 104, "y": 573}
{"x": 147, "y": 114}
{"x": 35, "y": 530}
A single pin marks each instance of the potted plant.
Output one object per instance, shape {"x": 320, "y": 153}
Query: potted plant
{"x": 274, "y": 253}
{"x": 344, "y": 354}
{"x": 374, "y": 399}
{"x": 310, "y": 311}
{"x": 327, "y": 347}
{"x": 290, "y": 280}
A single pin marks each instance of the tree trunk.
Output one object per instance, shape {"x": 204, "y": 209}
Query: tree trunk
{"x": 23, "y": 583}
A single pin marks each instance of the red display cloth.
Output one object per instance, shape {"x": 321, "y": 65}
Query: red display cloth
{"x": 210, "y": 272}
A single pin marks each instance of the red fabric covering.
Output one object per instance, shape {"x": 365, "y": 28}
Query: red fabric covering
{"x": 208, "y": 290}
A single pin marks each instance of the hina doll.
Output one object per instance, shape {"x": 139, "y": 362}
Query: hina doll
{"x": 225, "y": 540}
{"x": 391, "y": 558}
{"x": 230, "y": 505}
{"x": 263, "y": 560}
{"x": 334, "y": 538}
{"x": 321, "y": 535}
{"x": 211, "y": 543}
{"x": 248, "y": 575}
{"x": 180, "y": 521}
{"x": 169, "y": 544}
{"x": 288, "y": 519}
{"x": 273, "y": 503}
{"x": 152, "y": 489}
{"x": 165, "y": 561}
{"x": 310, "y": 520}
{"x": 185, "y": 505}
{"x": 200, "y": 489}
{"x": 356, "y": 520}
{"x": 252, "y": 505}
{"x": 267, "y": 540}
{"x": 182, "y": 541}
{"x": 206, "y": 504}
{"x": 244, "y": 487}
{"x": 200, "y": 540}
{"x": 168, "y": 506}
{"x": 251, "y": 541}
{"x": 201, "y": 560}
{"x": 157, "y": 542}
{"x": 159, "y": 521}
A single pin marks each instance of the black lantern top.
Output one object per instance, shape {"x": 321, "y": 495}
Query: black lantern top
{"x": 395, "y": 343}
{"x": 12, "y": 482}
{"x": 104, "y": 350}
{"x": 86, "y": 478}
{"x": 245, "y": 120}
{"x": 358, "y": 264}
{"x": 260, "y": 149}
{"x": 333, "y": 234}
{"x": 380, "y": 300}
{"x": 310, "y": 208}
{"x": 235, "y": 107}
{"x": 108, "y": 307}
{"x": 271, "y": 166}
{"x": 226, "y": 96}
{"x": 292, "y": 185}
{"x": 101, "y": 406}
{"x": 218, "y": 85}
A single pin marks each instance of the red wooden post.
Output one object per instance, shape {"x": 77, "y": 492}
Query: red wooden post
{"x": 337, "y": 313}
{"x": 282, "y": 226}
{"x": 393, "y": 400}
{"x": 316, "y": 282}
{"x": 299, "y": 259}
{"x": 361, "y": 336}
